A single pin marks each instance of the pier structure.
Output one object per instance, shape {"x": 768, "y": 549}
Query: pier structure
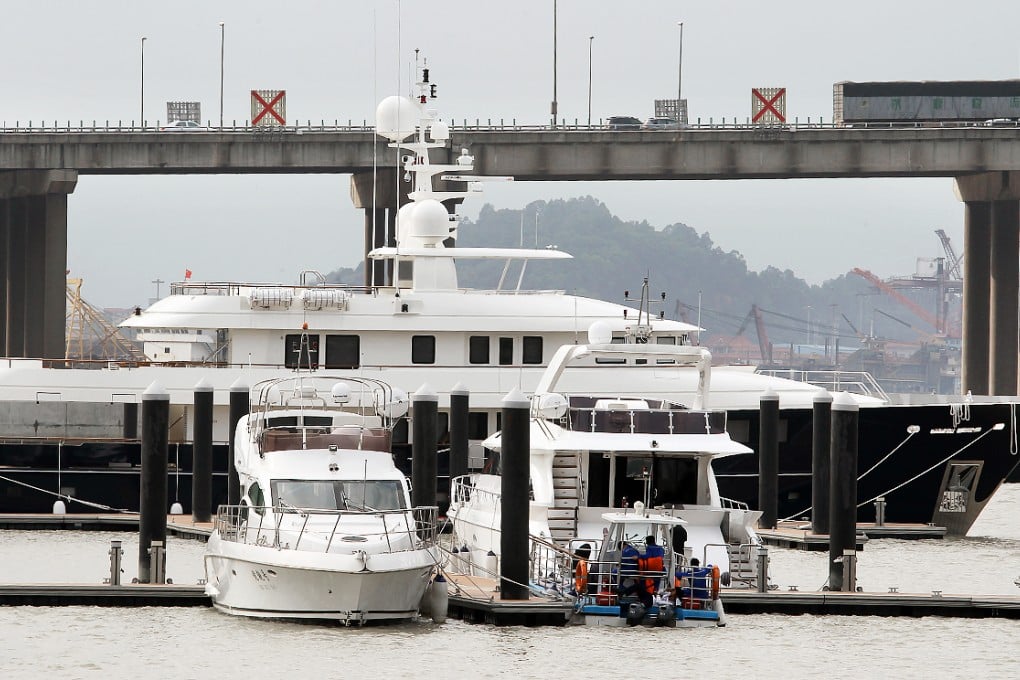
{"x": 39, "y": 168}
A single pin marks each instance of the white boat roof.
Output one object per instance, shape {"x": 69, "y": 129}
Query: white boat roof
{"x": 633, "y": 517}
{"x": 717, "y": 445}
{"x": 471, "y": 253}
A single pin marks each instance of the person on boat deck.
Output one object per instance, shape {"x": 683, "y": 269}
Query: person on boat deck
{"x": 652, "y": 565}
{"x": 691, "y": 585}
{"x": 581, "y": 570}
{"x": 630, "y": 583}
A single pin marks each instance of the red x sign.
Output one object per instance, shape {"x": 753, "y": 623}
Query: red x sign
{"x": 768, "y": 105}
{"x": 271, "y": 102}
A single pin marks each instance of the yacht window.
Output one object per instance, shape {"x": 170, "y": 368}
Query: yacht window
{"x": 478, "y": 425}
{"x": 256, "y": 498}
{"x": 301, "y": 351}
{"x": 423, "y": 349}
{"x": 506, "y": 351}
{"x": 356, "y": 495}
{"x": 532, "y": 350}
{"x": 343, "y": 351}
{"x": 478, "y": 349}
{"x": 665, "y": 340}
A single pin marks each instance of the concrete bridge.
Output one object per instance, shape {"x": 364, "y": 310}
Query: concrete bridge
{"x": 39, "y": 168}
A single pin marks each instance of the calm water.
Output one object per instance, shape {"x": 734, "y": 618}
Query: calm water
{"x": 88, "y": 642}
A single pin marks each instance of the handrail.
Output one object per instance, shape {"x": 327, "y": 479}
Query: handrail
{"x": 855, "y": 382}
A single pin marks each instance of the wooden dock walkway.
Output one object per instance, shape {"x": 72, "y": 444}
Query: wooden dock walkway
{"x": 798, "y": 534}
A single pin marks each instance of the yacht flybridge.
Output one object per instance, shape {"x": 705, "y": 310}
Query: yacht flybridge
{"x": 424, "y": 326}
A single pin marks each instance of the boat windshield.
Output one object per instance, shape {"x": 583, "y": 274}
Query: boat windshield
{"x": 387, "y": 494}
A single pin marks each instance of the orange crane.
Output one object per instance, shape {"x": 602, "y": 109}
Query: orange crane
{"x": 917, "y": 309}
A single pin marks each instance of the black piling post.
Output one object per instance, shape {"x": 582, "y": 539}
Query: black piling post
{"x": 842, "y": 486}
{"x": 153, "y": 486}
{"x": 238, "y": 410}
{"x": 425, "y": 427}
{"x": 821, "y": 439}
{"x": 201, "y": 451}
{"x": 458, "y": 432}
{"x": 768, "y": 459}
{"x": 515, "y": 469}
{"x": 130, "y": 420}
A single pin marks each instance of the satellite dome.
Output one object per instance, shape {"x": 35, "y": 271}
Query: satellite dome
{"x": 396, "y": 118}
{"x": 600, "y": 333}
{"x": 431, "y": 220}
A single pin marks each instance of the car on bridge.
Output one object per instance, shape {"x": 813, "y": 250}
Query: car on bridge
{"x": 183, "y": 126}
{"x": 661, "y": 124}
{"x": 624, "y": 123}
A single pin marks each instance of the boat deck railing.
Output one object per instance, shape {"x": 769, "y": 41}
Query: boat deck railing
{"x": 608, "y": 582}
{"x": 855, "y": 382}
{"x": 650, "y": 421}
{"x": 317, "y": 530}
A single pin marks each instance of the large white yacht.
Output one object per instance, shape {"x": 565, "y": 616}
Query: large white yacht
{"x": 423, "y": 326}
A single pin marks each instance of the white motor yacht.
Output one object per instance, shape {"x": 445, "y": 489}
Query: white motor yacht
{"x": 325, "y": 528}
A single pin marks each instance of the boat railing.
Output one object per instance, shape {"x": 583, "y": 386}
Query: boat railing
{"x": 229, "y": 288}
{"x": 317, "y": 530}
{"x": 463, "y": 489}
{"x": 730, "y": 504}
{"x": 608, "y": 581}
{"x": 855, "y": 382}
{"x": 648, "y": 421}
{"x": 551, "y": 566}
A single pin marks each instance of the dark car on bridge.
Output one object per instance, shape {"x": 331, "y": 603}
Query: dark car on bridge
{"x": 624, "y": 123}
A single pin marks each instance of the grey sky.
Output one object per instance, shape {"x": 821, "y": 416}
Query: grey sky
{"x": 80, "y": 60}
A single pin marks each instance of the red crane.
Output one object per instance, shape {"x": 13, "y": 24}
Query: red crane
{"x": 917, "y": 309}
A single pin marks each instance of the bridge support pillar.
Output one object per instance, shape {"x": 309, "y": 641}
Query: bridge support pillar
{"x": 377, "y": 194}
{"x": 990, "y": 281}
{"x": 33, "y": 261}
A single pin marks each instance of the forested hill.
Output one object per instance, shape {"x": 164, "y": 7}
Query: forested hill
{"x": 612, "y": 256}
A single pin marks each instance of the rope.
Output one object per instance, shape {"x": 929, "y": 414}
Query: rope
{"x": 911, "y": 431}
{"x": 64, "y": 496}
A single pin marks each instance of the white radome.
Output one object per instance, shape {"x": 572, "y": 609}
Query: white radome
{"x": 396, "y": 118}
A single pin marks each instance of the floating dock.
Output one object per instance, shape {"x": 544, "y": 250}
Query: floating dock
{"x": 798, "y": 534}
{"x": 181, "y": 526}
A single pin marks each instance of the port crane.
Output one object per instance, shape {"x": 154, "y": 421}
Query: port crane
{"x": 940, "y": 325}
{"x": 89, "y": 333}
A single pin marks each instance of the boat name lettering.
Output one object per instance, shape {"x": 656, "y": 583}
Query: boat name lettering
{"x": 954, "y": 430}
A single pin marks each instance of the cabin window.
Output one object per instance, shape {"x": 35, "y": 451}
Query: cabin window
{"x": 343, "y": 351}
{"x": 665, "y": 340}
{"x": 423, "y": 349}
{"x": 256, "y": 498}
{"x": 478, "y": 349}
{"x": 531, "y": 350}
{"x": 302, "y": 351}
{"x": 506, "y": 351}
{"x": 358, "y": 495}
{"x": 478, "y": 425}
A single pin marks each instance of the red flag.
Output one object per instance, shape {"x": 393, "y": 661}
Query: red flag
{"x": 187, "y": 274}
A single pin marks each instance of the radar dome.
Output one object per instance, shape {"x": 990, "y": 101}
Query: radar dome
{"x": 439, "y": 131}
{"x": 430, "y": 220}
{"x": 396, "y": 118}
{"x": 600, "y": 333}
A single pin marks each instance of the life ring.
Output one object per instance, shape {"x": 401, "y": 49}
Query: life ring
{"x": 715, "y": 582}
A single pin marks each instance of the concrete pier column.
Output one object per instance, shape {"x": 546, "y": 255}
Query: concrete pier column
{"x": 768, "y": 460}
{"x": 153, "y": 484}
{"x": 238, "y": 409}
{"x": 515, "y": 473}
{"x": 1003, "y": 318}
{"x": 201, "y": 451}
{"x": 33, "y": 229}
{"x": 459, "y": 409}
{"x": 424, "y": 446}
{"x": 842, "y": 485}
{"x": 821, "y": 435}
{"x": 990, "y": 218}
{"x": 380, "y": 196}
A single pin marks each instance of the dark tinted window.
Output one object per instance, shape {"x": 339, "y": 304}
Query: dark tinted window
{"x": 478, "y": 425}
{"x": 532, "y": 350}
{"x": 423, "y": 349}
{"x": 506, "y": 351}
{"x": 478, "y": 349}
{"x": 301, "y": 351}
{"x": 343, "y": 351}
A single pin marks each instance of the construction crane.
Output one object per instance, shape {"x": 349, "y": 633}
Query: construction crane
{"x": 89, "y": 333}
{"x": 764, "y": 346}
{"x": 917, "y": 309}
{"x": 953, "y": 261}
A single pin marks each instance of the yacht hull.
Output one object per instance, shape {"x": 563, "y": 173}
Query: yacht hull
{"x": 264, "y": 582}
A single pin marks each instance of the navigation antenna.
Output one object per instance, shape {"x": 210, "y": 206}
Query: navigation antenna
{"x": 642, "y": 331}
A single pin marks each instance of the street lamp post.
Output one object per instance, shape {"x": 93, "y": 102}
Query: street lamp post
{"x": 591, "y": 39}
{"x": 554, "y": 66}
{"x": 221, "y": 75}
{"x": 141, "y": 120}
{"x": 680, "y": 73}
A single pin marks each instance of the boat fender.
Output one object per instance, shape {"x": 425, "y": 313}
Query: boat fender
{"x": 176, "y": 509}
{"x": 59, "y": 508}
{"x": 715, "y": 582}
{"x": 725, "y": 579}
{"x": 453, "y": 564}
{"x": 721, "y": 612}
{"x": 439, "y": 594}
{"x": 491, "y": 565}
{"x": 666, "y": 617}
{"x": 425, "y": 604}
{"x": 635, "y": 613}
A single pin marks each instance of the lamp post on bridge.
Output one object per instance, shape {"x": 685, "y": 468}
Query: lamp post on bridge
{"x": 141, "y": 121}
{"x": 591, "y": 39}
{"x": 554, "y": 107}
{"x": 680, "y": 73}
{"x": 221, "y": 73}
